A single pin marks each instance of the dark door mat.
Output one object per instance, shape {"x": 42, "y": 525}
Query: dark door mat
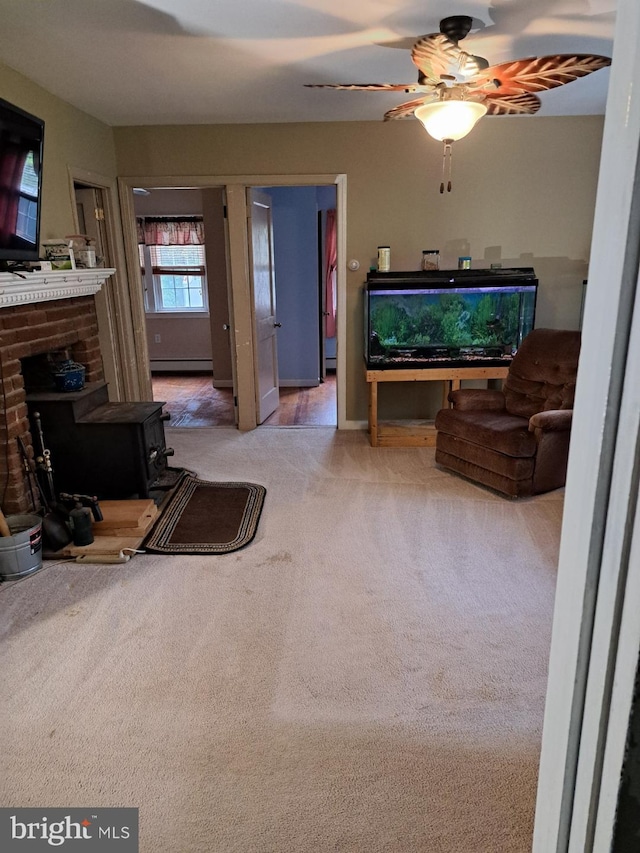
{"x": 202, "y": 517}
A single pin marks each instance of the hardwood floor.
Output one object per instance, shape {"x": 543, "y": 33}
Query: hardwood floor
{"x": 193, "y": 402}
{"x": 307, "y": 406}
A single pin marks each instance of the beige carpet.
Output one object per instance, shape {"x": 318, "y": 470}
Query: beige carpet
{"x": 367, "y": 675}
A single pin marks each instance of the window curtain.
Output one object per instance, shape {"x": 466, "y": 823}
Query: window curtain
{"x": 330, "y": 264}
{"x": 164, "y": 231}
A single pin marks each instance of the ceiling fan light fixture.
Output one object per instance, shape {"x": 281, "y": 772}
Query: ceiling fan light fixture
{"x": 450, "y": 119}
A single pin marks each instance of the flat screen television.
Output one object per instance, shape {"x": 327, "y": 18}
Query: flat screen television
{"x": 21, "y": 147}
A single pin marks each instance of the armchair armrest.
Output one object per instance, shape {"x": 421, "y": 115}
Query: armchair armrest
{"x": 555, "y": 420}
{"x": 488, "y": 399}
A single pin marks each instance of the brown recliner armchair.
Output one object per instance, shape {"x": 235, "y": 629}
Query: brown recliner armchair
{"x": 516, "y": 440}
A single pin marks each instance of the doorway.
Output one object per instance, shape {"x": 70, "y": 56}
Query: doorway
{"x": 183, "y": 269}
{"x": 90, "y": 220}
{"x": 304, "y": 261}
{"x": 240, "y": 294}
{"x": 95, "y": 211}
{"x": 199, "y": 397}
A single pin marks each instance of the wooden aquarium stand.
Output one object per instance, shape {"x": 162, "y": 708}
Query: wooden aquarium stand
{"x": 417, "y": 433}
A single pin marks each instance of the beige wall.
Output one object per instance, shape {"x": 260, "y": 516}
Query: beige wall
{"x": 180, "y": 337}
{"x": 523, "y": 194}
{"x": 71, "y": 139}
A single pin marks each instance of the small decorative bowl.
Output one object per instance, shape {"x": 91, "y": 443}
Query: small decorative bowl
{"x": 69, "y": 376}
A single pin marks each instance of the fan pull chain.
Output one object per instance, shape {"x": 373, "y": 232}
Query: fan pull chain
{"x": 446, "y": 165}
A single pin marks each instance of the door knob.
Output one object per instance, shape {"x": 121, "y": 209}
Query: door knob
{"x": 226, "y": 327}
{"x": 277, "y": 325}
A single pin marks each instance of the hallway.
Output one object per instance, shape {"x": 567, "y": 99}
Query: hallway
{"x": 193, "y": 402}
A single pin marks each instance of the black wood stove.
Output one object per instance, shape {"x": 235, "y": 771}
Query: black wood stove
{"x": 111, "y": 450}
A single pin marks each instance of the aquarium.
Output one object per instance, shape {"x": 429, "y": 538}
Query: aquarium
{"x": 442, "y": 318}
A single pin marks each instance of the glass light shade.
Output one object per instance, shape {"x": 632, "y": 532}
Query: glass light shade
{"x": 450, "y": 119}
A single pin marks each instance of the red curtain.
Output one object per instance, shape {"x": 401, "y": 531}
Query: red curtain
{"x": 330, "y": 264}
{"x": 170, "y": 232}
{"x": 11, "y": 170}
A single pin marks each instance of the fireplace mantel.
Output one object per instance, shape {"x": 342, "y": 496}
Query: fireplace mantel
{"x": 25, "y": 287}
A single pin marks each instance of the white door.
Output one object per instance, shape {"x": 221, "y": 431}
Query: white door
{"x": 263, "y": 289}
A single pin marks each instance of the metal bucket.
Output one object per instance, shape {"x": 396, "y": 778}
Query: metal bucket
{"x": 21, "y": 553}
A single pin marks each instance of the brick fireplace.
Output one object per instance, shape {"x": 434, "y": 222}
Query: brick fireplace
{"x": 32, "y": 325}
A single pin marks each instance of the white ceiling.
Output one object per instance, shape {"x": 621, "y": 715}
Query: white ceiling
{"x": 130, "y": 62}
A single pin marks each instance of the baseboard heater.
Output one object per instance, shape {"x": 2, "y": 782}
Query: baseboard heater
{"x": 178, "y": 365}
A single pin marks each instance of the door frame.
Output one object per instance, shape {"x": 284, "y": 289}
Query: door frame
{"x": 240, "y": 291}
{"x": 596, "y": 624}
{"x": 322, "y": 297}
{"x": 116, "y": 331}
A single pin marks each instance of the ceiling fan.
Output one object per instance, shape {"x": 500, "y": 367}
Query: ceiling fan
{"x": 455, "y": 88}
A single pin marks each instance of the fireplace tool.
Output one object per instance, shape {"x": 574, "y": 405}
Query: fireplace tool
{"x": 82, "y": 508}
{"x": 44, "y": 468}
{"x": 55, "y": 529}
{"x": 31, "y": 477}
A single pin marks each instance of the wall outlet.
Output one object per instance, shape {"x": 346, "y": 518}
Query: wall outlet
{"x": 157, "y": 339}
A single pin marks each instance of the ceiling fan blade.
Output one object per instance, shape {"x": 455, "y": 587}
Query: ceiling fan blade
{"x": 537, "y": 74}
{"x": 498, "y": 104}
{"x": 368, "y": 87}
{"x": 436, "y": 56}
{"x": 405, "y": 110}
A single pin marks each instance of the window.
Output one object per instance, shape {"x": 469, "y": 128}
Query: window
{"x": 27, "y": 202}
{"x": 175, "y": 278}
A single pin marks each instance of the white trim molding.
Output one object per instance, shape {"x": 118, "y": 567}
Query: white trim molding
{"x": 23, "y": 288}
